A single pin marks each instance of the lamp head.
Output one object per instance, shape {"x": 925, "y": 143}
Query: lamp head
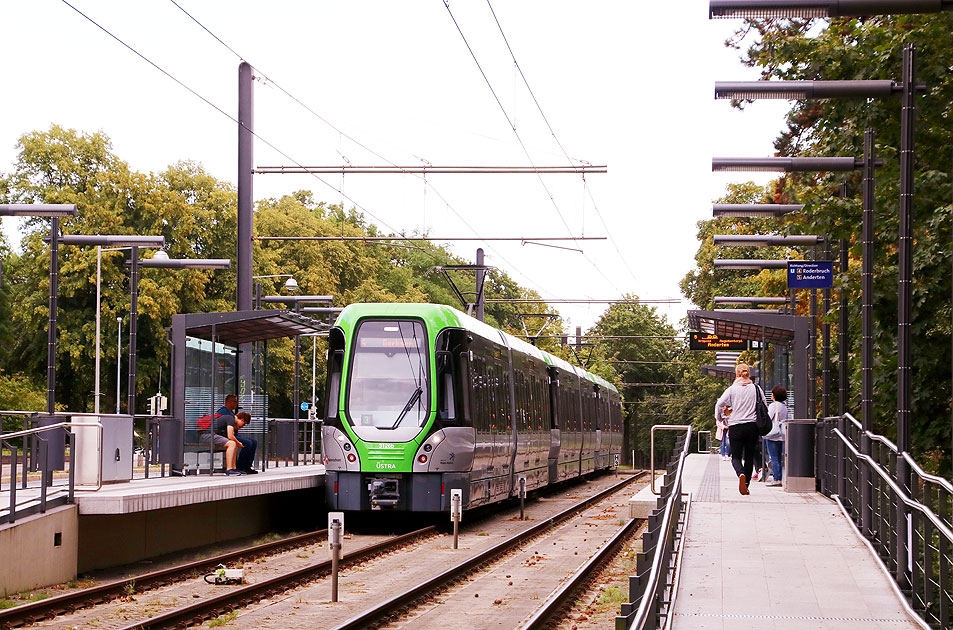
{"x": 291, "y": 285}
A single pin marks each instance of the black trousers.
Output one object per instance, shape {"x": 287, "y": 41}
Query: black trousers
{"x": 743, "y": 439}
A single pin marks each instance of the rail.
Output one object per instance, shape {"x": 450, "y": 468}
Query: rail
{"x": 40, "y": 460}
{"x": 650, "y": 591}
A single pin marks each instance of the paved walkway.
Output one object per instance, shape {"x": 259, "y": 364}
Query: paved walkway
{"x": 775, "y": 560}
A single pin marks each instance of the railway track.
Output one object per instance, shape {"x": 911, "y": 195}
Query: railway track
{"x": 406, "y": 600}
{"x": 27, "y": 614}
{"x": 240, "y": 596}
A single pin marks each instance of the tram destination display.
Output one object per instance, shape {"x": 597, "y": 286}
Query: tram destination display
{"x": 705, "y": 341}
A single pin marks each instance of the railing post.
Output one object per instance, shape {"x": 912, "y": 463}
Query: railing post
{"x": 13, "y": 483}
{"x": 44, "y": 459}
{"x": 842, "y": 461}
{"x": 72, "y": 467}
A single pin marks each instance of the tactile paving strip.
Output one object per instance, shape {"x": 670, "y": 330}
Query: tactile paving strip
{"x": 792, "y": 617}
{"x": 709, "y": 491}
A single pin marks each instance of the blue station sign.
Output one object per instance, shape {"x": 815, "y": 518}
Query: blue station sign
{"x": 803, "y": 274}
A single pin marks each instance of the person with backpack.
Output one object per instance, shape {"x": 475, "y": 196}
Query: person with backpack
{"x": 221, "y": 432}
{"x": 741, "y": 397}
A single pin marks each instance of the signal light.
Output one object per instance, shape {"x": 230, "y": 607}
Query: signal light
{"x": 422, "y": 459}
{"x": 351, "y": 458}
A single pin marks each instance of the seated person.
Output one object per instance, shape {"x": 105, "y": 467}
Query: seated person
{"x": 222, "y": 435}
{"x": 246, "y": 456}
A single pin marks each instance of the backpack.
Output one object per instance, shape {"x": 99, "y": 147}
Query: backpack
{"x": 203, "y": 423}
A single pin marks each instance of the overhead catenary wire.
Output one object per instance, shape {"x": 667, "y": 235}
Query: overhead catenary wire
{"x": 556, "y": 140}
{"x": 519, "y": 140}
{"x": 361, "y": 145}
{"x": 220, "y": 110}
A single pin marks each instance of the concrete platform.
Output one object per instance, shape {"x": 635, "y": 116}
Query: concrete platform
{"x": 775, "y": 560}
{"x": 144, "y": 518}
{"x": 159, "y": 493}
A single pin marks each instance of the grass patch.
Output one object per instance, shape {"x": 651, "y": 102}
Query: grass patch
{"x": 221, "y": 620}
{"x": 22, "y": 598}
{"x": 613, "y": 595}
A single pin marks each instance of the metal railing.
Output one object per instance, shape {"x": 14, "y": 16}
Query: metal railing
{"x": 906, "y": 521}
{"x": 651, "y": 592}
{"x": 303, "y": 446}
{"x": 38, "y": 460}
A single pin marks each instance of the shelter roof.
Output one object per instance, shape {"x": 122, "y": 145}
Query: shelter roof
{"x": 237, "y": 327}
{"x": 771, "y": 327}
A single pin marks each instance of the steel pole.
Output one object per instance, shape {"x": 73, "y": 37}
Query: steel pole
{"x": 99, "y": 263}
{"x": 246, "y": 220}
{"x": 118, "y": 365}
{"x": 905, "y": 281}
{"x": 812, "y": 356}
{"x": 842, "y": 384}
{"x": 905, "y": 298}
{"x": 51, "y": 324}
{"x": 480, "y": 280}
{"x": 133, "y": 329}
{"x": 867, "y": 325}
{"x": 826, "y": 343}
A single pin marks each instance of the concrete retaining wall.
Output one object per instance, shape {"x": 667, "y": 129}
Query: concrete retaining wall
{"x": 39, "y": 550}
{"x": 107, "y": 540}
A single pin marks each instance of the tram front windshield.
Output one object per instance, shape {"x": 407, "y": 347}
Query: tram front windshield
{"x": 389, "y": 383}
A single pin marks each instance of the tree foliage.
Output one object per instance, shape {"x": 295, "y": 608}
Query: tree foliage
{"x": 196, "y": 214}
{"x": 848, "y": 49}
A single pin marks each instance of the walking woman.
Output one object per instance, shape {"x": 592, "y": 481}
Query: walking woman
{"x": 742, "y": 430}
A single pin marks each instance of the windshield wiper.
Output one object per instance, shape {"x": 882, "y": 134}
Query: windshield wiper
{"x": 414, "y": 397}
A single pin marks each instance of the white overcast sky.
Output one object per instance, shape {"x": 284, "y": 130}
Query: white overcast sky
{"x": 627, "y": 84}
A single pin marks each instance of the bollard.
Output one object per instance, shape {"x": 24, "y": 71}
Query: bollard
{"x": 522, "y": 495}
{"x": 456, "y": 501}
{"x": 335, "y": 530}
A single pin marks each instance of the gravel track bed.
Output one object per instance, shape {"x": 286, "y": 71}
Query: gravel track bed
{"x": 122, "y": 612}
{"x": 520, "y": 582}
{"x": 597, "y": 606}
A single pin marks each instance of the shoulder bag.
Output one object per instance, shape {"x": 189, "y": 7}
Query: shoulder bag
{"x": 775, "y": 433}
{"x": 762, "y": 418}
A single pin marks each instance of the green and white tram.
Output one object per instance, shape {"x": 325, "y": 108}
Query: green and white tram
{"x": 422, "y": 399}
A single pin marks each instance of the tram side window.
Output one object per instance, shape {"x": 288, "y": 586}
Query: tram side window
{"x": 452, "y": 359}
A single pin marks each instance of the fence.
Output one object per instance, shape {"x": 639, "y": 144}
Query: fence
{"x": 286, "y": 441}
{"x": 902, "y": 511}
{"x": 650, "y": 591}
{"x": 44, "y": 450}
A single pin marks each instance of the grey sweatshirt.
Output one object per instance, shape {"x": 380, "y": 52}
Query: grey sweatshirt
{"x": 741, "y": 399}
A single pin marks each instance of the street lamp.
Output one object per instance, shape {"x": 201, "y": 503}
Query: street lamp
{"x": 745, "y": 264}
{"x": 820, "y": 8}
{"x": 747, "y": 301}
{"x": 117, "y": 241}
{"x": 785, "y": 164}
{"x": 754, "y": 210}
{"x": 162, "y": 261}
{"x": 801, "y": 90}
{"x": 766, "y": 240}
{"x": 55, "y": 211}
{"x": 297, "y": 301}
